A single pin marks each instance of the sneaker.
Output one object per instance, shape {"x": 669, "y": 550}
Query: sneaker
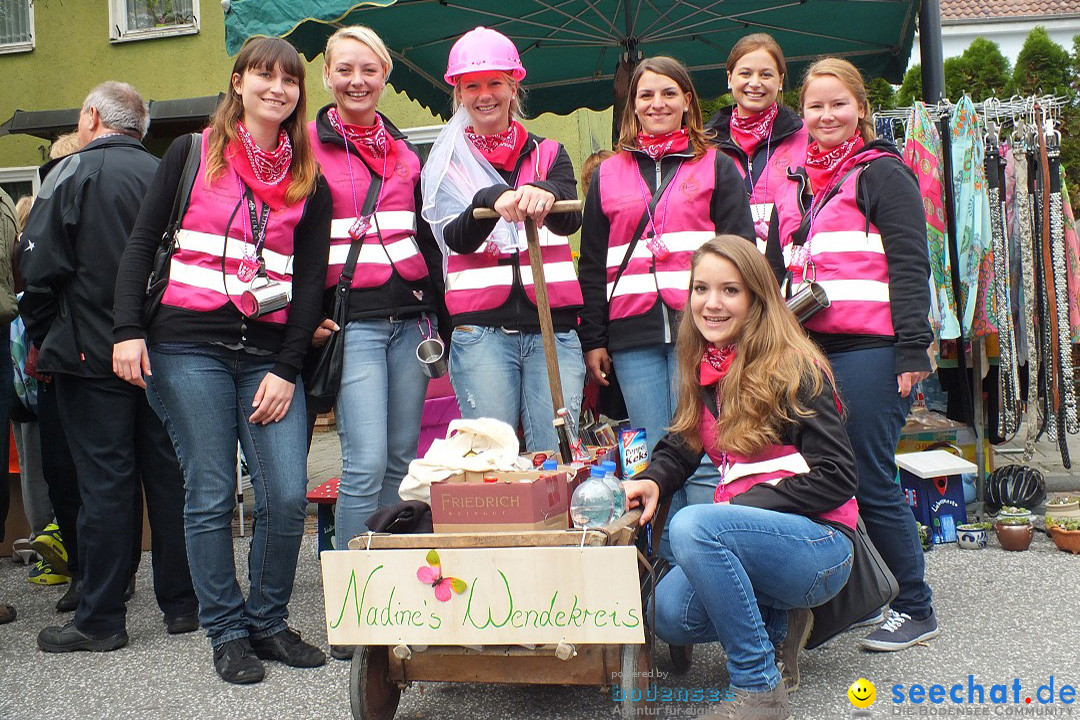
{"x": 236, "y": 663}
{"x": 745, "y": 705}
{"x": 287, "y": 647}
{"x": 800, "y": 621}
{"x": 68, "y": 638}
{"x": 900, "y": 631}
{"x": 342, "y": 652}
{"x": 70, "y": 601}
{"x": 50, "y": 546}
{"x": 43, "y": 574}
{"x": 875, "y": 618}
{"x": 181, "y": 624}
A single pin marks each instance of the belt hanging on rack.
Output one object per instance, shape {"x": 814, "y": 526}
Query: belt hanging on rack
{"x": 1067, "y": 418}
{"x": 1023, "y": 207}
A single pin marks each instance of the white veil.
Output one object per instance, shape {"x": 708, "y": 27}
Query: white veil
{"x": 452, "y": 175}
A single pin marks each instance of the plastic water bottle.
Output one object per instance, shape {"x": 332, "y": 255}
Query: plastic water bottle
{"x": 616, "y": 487}
{"x": 593, "y": 503}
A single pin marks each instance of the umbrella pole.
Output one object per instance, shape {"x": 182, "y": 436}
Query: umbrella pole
{"x": 547, "y": 329}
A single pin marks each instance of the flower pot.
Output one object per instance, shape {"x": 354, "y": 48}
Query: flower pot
{"x": 1014, "y": 537}
{"x": 1068, "y": 509}
{"x": 1068, "y": 540}
{"x": 969, "y": 537}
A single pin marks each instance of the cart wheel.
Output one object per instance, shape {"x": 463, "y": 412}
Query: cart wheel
{"x": 371, "y": 694}
{"x": 636, "y": 662}
{"x": 682, "y": 656}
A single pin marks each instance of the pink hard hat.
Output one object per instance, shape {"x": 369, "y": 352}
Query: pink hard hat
{"x": 481, "y": 50}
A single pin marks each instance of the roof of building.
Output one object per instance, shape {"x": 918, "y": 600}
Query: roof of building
{"x": 999, "y": 9}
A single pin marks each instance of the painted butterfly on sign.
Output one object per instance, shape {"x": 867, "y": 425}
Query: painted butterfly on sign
{"x": 432, "y": 575}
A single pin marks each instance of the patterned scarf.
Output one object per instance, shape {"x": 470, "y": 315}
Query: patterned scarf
{"x": 822, "y": 164}
{"x": 374, "y": 143}
{"x": 715, "y": 364}
{"x": 657, "y": 146}
{"x": 501, "y": 149}
{"x": 748, "y": 131}
{"x": 266, "y": 172}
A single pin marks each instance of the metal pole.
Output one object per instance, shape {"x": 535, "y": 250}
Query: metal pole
{"x": 933, "y": 62}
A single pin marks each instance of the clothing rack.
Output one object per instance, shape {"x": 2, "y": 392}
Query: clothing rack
{"x": 1025, "y": 115}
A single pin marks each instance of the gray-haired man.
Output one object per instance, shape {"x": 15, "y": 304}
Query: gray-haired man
{"x": 71, "y": 251}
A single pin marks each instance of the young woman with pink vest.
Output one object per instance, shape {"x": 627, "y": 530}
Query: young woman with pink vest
{"x": 221, "y": 371}
{"x": 756, "y": 396}
{"x": 396, "y": 284}
{"x": 853, "y": 222}
{"x": 649, "y": 208}
{"x": 485, "y": 158}
{"x": 763, "y": 137}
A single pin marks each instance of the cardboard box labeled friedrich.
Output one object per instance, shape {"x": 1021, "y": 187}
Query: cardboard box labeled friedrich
{"x": 516, "y": 501}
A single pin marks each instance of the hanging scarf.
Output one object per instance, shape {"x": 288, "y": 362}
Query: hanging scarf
{"x": 822, "y": 164}
{"x": 748, "y": 131}
{"x": 266, "y": 172}
{"x": 922, "y": 153}
{"x": 501, "y": 149}
{"x": 715, "y": 364}
{"x": 657, "y": 146}
{"x": 373, "y": 142}
{"x": 1072, "y": 256}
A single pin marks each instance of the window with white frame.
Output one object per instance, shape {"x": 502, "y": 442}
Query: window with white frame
{"x": 19, "y": 181}
{"x": 16, "y": 25}
{"x": 141, "y": 19}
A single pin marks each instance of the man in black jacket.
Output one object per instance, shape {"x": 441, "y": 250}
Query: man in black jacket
{"x": 71, "y": 251}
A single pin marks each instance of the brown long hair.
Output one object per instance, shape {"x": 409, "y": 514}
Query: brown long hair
{"x": 773, "y": 360}
{"x": 265, "y": 53}
{"x": 671, "y": 68}
{"x": 851, "y": 79}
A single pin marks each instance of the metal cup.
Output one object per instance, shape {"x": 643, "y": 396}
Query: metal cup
{"x": 807, "y": 302}
{"x": 432, "y": 356}
{"x": 265, "y": 299}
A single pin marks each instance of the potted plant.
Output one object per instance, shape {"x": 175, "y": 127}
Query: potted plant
{"x": 1010, "y": 511}
{"x": 972, "y": 536}
{"x": 1065, "y": 533}
{"x": 1014, "y": 533}
{"x": 924, "y": 537}
{"x": 1063, "y": 506}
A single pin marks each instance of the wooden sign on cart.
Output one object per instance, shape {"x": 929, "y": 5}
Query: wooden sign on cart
{"x": 483, "y": 596}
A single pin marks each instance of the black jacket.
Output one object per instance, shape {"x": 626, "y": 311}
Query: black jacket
{"x": 785, "y": 124}
{"x": 71, "y": 250}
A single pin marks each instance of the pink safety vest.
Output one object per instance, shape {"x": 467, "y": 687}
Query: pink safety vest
{"x": 789, "y": 153}
{"x": 396, "y": 216}
{"x": 848, "y": 257}
{"x": 481, "y": 280}
{"x": 683, "y": 213}
{"x": 771, "y": 465}
{"x": 196, "y": 279}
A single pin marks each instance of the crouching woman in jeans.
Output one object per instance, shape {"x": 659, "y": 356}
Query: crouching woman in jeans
{"x": 757, "y": 396}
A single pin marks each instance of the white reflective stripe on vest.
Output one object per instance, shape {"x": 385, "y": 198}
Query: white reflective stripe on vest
{"x": 855, "y": 290}
{"x": 674, "y": 279}
{"x": 212, "y": 279}
{"x": 553, "y": 272}
{"x": 388, "y": 221}
{"x": 840, "y": 241}
{"x": 761, "y": 211}
{"x": 210, "y": 244}
{"x": 682, "y": 241}
{"x": 637, "y": 284}
{"x": 371, "y": 253}
{"x": 793, "y": 463}
{"x": 479, "y": 278}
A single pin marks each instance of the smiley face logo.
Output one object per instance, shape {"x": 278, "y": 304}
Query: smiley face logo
{"x": 862, "y": 693}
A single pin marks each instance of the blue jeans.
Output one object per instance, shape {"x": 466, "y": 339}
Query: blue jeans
{"x": 648, "y": 376}
{"x": 503, "y": 375}
{"x": 740, "y": 569}
{"x": 876, "y": 413}
{"x": 204, "y": 394}
{"x": 378, "y": 414}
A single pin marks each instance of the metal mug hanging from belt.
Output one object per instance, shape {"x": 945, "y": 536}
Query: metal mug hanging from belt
{"x": 431, "y": 353}
{"x": 808, "y": 301}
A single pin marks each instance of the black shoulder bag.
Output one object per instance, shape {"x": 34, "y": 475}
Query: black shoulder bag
{"x": 159, "y": 272}
{"x": 323, "y": 366}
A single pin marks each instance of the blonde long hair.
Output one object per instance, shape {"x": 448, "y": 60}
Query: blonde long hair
{"x": 773, "y": 360}
{"x": 265, "y": 53}
{"x": 630, "y": 126}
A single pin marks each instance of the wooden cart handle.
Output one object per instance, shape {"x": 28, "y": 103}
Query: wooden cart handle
{"x": 560, "y": 206}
